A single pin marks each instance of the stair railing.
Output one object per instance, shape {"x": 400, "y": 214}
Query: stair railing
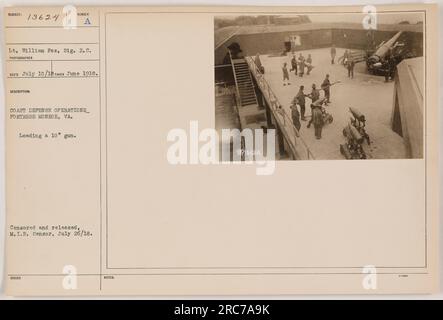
{"x": 237, "y": 91}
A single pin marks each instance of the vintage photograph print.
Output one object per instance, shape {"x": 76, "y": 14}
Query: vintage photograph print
{"x": 331, "y": 85}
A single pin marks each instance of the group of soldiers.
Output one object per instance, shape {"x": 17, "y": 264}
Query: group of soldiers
{"x": 317, "y": 109}
{"x": 317, "y": 104}
{"x": 298, "y": 66}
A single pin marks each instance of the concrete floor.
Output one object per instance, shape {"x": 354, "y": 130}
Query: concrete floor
{"x": 368, "y": 93}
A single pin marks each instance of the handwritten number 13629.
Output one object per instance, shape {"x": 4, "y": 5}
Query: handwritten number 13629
{"x": 43, "y": 17}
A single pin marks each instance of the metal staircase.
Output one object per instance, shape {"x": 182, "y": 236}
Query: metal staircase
{"x": 243, "y": 82}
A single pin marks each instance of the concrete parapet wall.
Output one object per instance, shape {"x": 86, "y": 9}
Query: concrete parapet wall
{"x": 273, "y": 42}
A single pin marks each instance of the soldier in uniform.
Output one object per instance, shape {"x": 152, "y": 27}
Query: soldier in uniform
{"x": 333, "y": 54}
{"x": 392, "y": 67}
{"x": 387, "y": 68}
{"x": 317, "y": 118}
{"x": 294, "y": 64}
{"x": 315, "y": 93}
{"x": 285, "y": 74}
{"x": 326, "y": 88}
{"x": 301, "y": 65}
{"x": 346, "y": 57}
{"x": 350, "y": 65}
{"x": 388, "y": 65}
{"x": 314, "y": 96}
{"x": 309, "y": 64}
{"x": 300, "y": 98}
{"x": 301, "y": 57}
{"x": 295, "y": 116}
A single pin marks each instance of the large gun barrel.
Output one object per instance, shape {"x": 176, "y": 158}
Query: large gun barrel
{"x": 352, "y": 134}
{"x": 355, "y": 134}
{"x": 357, "y": 114}
{"x": 384, "y": 48}
{"x": 352, "y": 149}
